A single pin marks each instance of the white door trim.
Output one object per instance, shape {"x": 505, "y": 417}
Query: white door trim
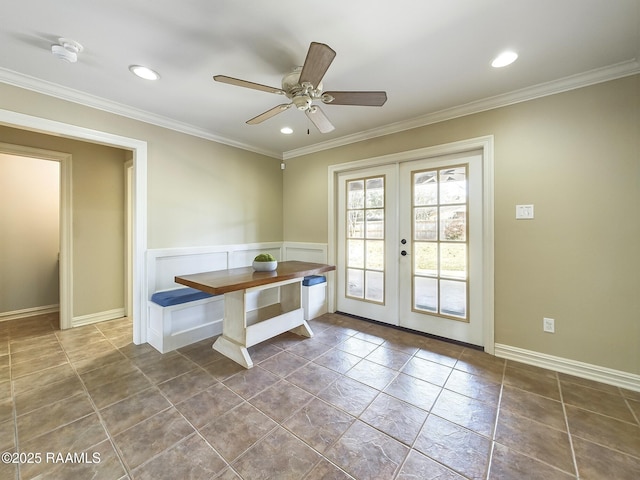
{"x": 139, "y": 149}
{"x": 128, "y": 237}
{"x": 485, "y": 144}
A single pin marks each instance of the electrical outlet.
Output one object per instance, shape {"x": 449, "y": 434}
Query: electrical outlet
{"x": 549, "y": 325}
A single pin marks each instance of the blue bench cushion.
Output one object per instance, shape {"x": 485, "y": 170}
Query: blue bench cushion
{"x": 178, "y": 296}
{"x": 313, "y": 280}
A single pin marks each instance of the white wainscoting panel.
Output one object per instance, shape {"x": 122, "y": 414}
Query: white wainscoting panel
{"x": 305, "y": 252}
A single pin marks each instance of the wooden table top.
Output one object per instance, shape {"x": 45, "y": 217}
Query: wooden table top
{"x": 224, "y": 281}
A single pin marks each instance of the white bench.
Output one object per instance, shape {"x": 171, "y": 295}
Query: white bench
{"x": 183, "y": 316}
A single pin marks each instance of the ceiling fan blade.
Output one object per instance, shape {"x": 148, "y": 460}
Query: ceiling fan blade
{"x": 244, "y": 83}
{"x": 319, "y": 119}
{"x": 319, "y": 57}
{"x": 269, "y": 113}
{"x": 367, "y": 99}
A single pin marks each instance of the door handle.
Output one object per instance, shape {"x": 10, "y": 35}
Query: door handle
{"x": 403, "y": 253}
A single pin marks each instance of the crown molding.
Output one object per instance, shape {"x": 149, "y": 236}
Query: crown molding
{"x": 612, "y": 72}
{"x": 63, "y": 93}
{"x": 572, "y": 82}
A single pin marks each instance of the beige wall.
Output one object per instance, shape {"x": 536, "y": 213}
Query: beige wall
{"x": 29, "y": 232}
{"x": 199, "y": 192}
{"x": 205, "y": 193}
{"x": 576, "y": 157}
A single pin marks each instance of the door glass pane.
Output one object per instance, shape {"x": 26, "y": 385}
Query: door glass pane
{"x": 375, "y": 193}
{"x": 365, "y": 240}
{"x": 355, "y": 283}
{"x": 453, "y": 223}
{"x": 425, "y": 188}
{"x": 453, "y": 298}
{"x": 355, "y": 255}
{"x": 375, "y": 223}
{"x": 453, "y": 260}
{"x": 425, "y": 223}
{"x": 426, "y": 294}
{"x": 355, "y": 194}
{"x": 375, "y": 255}
{"x": 453, "y": 185}
{"x": 426, "y": 258}
{"x": 355, "y": 224}
{"x": 375, "y": 286}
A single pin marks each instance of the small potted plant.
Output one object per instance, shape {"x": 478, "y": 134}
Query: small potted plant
{"x": 265, "y": 262}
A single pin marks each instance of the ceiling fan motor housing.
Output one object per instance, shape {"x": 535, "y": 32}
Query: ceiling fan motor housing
{"x": 302, "y": 102}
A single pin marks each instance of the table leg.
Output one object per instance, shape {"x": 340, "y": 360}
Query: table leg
{"x": 303, "y": 330}
{"x": 238, "y": 335}
{"x": 234, "y": 351}
{"x": 233, "y": 341}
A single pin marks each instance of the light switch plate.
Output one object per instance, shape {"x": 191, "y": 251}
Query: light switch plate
{"x": 524, "y": 212}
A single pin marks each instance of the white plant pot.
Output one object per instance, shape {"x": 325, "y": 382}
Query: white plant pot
{"x": 264, "y": 266}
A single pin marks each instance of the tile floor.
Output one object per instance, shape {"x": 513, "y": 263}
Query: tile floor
{"x": 358, "y": 400}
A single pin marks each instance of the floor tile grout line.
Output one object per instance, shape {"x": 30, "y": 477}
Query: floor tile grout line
{"x": 315, "y": 397}
{"x": 526, "y": 454}
{"x": 569, "y": 435}
{"x": 98, "y": 414}
{"x": 422, "y": 426}
{"x": 495, "y": 423}
{"x": 196, "y": 431}
{"x": 15, "y": 409}
{"x": 636, "y": 416}
{"x": 171, "y": 406}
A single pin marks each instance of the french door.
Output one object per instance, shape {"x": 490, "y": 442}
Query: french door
{"x": 409, "y": 249}
{"x": 367, "y": 279}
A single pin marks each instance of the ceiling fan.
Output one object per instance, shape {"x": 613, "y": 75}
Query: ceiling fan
{"x": 304, "y": 85}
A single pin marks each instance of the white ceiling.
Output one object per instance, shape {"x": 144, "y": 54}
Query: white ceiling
{"x": 432, "y": 57}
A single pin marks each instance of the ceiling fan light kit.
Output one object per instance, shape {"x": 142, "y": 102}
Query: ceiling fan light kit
{"x": 66, "y": 50}
{"x": 303, "y": 86}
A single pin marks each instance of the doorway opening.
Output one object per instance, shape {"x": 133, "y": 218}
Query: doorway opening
{"x": 51, "y": 249}
{"x": 139, "y": 203}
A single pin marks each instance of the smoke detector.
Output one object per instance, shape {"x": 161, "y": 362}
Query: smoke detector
{"x": 66, "y": 50}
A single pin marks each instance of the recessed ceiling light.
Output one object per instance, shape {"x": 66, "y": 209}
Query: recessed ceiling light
{"x": 144, "y": 72}
{"x": 504, "y": 59}
{"x": 286, "y": 130}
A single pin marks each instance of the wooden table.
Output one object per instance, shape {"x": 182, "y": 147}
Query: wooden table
{"x": 243, "y": 328}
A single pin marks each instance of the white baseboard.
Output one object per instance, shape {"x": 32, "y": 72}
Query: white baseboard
{"x": 597, "y": 373}
{"x": 28, "y": 312}
{"x": 97, "y": 317}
